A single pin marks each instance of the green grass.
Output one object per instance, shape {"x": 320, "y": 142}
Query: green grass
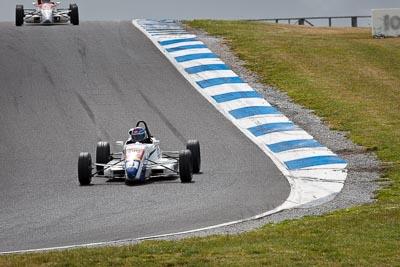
{"x": 350, "y": 79}
{"x": 346, "y": 76}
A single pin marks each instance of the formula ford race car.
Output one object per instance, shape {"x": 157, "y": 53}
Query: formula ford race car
{"x": 46, "y": 13}
{"x": 140, "y": 161}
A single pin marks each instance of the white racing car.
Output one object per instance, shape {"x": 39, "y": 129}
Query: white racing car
{"x": 46, "y": 13}
{"x": 141, "y": 158}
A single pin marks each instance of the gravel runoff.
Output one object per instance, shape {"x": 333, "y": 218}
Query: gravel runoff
{"x": 363, "y": 166}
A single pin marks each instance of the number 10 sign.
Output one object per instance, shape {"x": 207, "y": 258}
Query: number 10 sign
{"x": 386, "y": 22}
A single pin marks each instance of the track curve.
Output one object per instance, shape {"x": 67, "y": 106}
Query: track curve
{"x": 65, "y": 88}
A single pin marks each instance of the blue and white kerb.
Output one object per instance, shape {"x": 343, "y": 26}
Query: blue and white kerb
{"x": 315, "y": 173}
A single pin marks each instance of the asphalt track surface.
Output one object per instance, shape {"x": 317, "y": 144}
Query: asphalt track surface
{"x": 63, "y": 89}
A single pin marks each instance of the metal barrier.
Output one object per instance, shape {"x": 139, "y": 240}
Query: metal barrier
{"x": 302, "y": 21}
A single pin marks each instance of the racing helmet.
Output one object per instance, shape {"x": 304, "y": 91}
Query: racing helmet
{"x": 138, "y": 134}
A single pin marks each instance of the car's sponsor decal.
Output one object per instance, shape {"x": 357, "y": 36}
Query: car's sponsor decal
{"x": 135, "y": 153}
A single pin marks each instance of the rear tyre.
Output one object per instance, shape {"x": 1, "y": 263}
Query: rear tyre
{"x": 74, "y": 14}
{"x": 85, "y": 168}
{"x": 19, "y": 15}
{"x": 185, "y": 166}
{"x": 102, "y": 155}
{"x": 194, "y": 147}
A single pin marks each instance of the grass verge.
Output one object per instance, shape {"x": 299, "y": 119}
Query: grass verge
{"x": 348, "y": 78}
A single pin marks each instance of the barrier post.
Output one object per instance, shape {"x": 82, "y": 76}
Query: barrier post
{"x": 354, "y": 22}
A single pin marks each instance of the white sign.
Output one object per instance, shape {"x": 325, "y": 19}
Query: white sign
{"x": 386, "y": 22}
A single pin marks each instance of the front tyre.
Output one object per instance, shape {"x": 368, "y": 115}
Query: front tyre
{"x": 85, "y": 168}
{"x": 194, "y": 147}
{"x": 185, "y": 166}
{"x": 74, "y": 14}
{"x": 102, "y": 155}
{"x": 19, "y": 15}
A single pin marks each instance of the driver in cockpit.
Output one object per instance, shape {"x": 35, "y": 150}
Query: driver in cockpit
{"x": 39, "y": 2}
{"x": 137, "y": 135}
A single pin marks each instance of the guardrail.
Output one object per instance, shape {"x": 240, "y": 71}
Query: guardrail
{"x": 303, "y": 20}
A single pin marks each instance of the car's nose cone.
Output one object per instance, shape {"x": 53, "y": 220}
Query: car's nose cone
{"x": 131, "y": 172}
{"x": 47, "y": 16}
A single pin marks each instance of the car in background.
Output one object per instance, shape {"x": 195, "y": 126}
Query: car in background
{"x": 46, "y": 12}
